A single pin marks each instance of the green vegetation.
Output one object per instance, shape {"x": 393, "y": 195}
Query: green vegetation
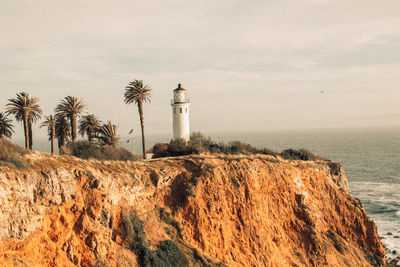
{"x": 107, "y": 134}
{"x": 9, "y": 154}
{"x": 86, "y": 150}
{"x": 235, "y": 182}
{"x": 71, "y": 107}
{"x": 89, "y": 125}
{"x": 198, "y": 144}
{"x": 375, "y": 260}
{"x": 301, "y": 154}
{"x": 9, "y": 151}
{"x": 6, "y": 128}
{"x": 27, "y": 110}
{"x": 189, "y": 191}
{"x": 335, "y": 168}
{"x": 50, "y": 123}
{"x": 167, "y": 253}
{"x": 339, "y": 245}
{"x": 311, "y": 230}
{"x": 355, "y": 201}
{"x": 18, "y": 164}
{"x": 166, "y": 217}
{"x": 138, "y": 93}
{"x": 63, "y": 127}
{"x": 63, "y": 131}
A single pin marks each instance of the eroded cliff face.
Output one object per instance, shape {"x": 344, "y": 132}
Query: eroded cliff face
{"x": 186, "y": 211}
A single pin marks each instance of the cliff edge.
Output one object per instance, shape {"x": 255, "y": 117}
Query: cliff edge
{"x": 219, "y": 210}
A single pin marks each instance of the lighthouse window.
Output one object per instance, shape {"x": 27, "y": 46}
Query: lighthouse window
{"x": 180, "y": 110}
{"x": 175, "y": 110}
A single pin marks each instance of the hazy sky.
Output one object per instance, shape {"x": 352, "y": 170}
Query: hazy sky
{"x": 247, "y": 65}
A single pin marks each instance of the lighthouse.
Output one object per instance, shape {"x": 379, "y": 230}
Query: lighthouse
{"x": 180, "y": 114}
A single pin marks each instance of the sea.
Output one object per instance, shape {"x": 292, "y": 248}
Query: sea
{"x": 370, "y": 156}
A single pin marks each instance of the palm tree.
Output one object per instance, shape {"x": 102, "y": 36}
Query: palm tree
{"x": 62, "y": 130}
{"x": 138, "y": 93}
{"x": 27, "y": 110}
{"x": 6, "y": 128}
{"x": 33, "y": 117}
{"x": 89, "y": 124}
{"x": 71, "y": 107}
{"x": 50, "y": 123}
{"x": 107, "y": 134}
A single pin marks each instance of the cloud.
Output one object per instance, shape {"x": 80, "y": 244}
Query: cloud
{"x": 257, "y": 64}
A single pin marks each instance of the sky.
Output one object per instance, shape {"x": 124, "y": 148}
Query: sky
{"x": 247, "y": 65}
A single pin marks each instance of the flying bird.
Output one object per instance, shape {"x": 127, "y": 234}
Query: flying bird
{"x": 322, "y": 91}
{"x": 131, "y": 131}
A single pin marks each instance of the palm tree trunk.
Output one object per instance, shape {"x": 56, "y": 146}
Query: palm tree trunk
{"x": 26, "y": 130}
{"x": 61, "y": 143}
{"x": 90, "y": 136}
{"x": 73, "y": 127}
{"x": 53, "y": 131}
{"x": 140, "y": 107}
{"x": 30, "y": 134}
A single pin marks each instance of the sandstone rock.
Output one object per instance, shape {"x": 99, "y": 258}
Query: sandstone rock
{"x": 200, "y": 210}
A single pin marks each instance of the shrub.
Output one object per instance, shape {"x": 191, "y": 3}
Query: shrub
{"x": 167, "y": 253}
{"x": 179, "y": 148}
{"x": 86, "y": 150}
{"x": 338, "y": 244}
{"x": 166, "y": 217}
{"x": 198, "y": 143}
{"x": 375, "y": 260}
{"x": 18, "y": 164}
{"x": 160, "y": 150}
{"x": 311, "y": 230}
{"x": 9, "y": 151}
{"x": 235, "y": 182}
{"x": 301, "y": 154}
{"x": 335, "y": 168}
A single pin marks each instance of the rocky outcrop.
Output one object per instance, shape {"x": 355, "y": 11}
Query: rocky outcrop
{"x": 186, "y": 211}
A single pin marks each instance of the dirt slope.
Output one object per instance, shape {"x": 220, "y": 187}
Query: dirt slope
{"x": 188, "y": 211}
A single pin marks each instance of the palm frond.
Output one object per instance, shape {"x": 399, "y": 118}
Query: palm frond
{"x": 6, "y": 127}
{"x": 88, "y": 125}
{"x": 70, "y": 106}
{"x": 63, "y": 128}
{"x": 50, "y": 123}
{"x": 108, "y": 134}
{"x": 24, "y": 105}
{"x": 136, "y": 92}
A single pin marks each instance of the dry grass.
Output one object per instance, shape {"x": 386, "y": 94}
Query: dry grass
{"x": 9, "y": 151}
{"x": 86, "y": 150}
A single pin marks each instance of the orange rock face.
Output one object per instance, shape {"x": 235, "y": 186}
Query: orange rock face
{"x": 186, "y": 211}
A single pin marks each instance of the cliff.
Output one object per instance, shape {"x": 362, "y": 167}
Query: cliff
{"x": 185, "y": 211}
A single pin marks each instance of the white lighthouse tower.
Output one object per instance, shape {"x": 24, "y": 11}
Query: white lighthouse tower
{"x": 180, "y": 114}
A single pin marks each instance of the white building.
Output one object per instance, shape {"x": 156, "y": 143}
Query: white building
{"x": 180, "y": 114}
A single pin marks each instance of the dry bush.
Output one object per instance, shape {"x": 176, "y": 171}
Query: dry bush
{"x": 301, "y": 154}
{"x": 9, "y": 151}
{"x": 87, "y": 150}
{"x": 167, "y": 253}
{"x": 198, "y": 144}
